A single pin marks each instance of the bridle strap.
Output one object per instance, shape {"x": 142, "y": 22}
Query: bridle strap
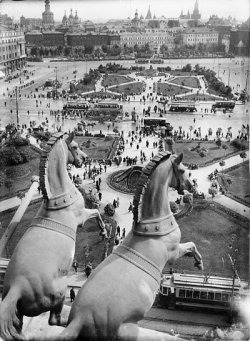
{"x": 54, "y": 225}
{"x": 155, "y": 227}
{"x": 139, "y": 261}
{"x": 63, "y": 200}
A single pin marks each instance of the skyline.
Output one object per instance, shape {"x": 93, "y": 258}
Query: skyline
{"x": 104, "y": 10}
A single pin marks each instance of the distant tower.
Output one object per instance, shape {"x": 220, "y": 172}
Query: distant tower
{"x": 47, "y": 16}
{"x": 136, "y": 22}
{"x": 149, "y": 15}
{"x": 196, "y": 14}
{"x": 65, "y": 19}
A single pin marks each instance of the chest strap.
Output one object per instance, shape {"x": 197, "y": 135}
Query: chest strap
{"x": 139, "y": 261}
{"x": 54, "y": 225}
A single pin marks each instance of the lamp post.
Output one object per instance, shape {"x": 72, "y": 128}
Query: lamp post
{"x": 17, "y": 115}
{"x": 56, "y": 80}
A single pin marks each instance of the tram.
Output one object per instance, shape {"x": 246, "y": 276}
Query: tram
{"x": 198, "y": 291}
{"x": 224, "y": 106}
{"x": 106, "y": 110}
{"x": 75, "y": 108}
{"x": 182, "y": 107}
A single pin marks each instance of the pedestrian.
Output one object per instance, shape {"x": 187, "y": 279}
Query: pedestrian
{"x": 118, "y": 202}
{"x": 118, "y": 230}
{"x": 100, "y": 196}
{"x": 130, "y": 208}
{"x": 123, "y": 232}
{"x": 75, "y": 265}
{"x": 72, "y": 295}
{"x": 114, "y": 203}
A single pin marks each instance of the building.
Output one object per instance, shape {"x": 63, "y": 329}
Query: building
{"x": 12, "y": 49}
{"x": 30, "y": 24}
{"x": 155, "y": 39}
{"x": 136, "y": 22}
{"x": 240, "y": 42}
{"x": 91, "y": 39}
{"x": 5, "y": 20}
{"x": 200, "y": 35}
{"x": 47, "y": 16}
{"x": 46, "y": 39}
{"x": 196, "y": 14}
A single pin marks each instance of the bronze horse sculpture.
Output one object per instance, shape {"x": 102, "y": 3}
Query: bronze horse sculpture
{"x": 35, "y": 280}
{"x": 122, "y": 289}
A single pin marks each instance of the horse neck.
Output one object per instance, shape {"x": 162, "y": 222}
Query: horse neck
{"x": 155, "y": 202}
{"x": 57, "y": 175}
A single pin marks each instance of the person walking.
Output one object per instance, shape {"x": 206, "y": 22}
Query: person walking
{"x": 123, "y": 232}
{"x": 118, "y": 230}
{"x": 72, "y": 295}
{"x": 100, "y": 196}
{"x": 75, "y": 265}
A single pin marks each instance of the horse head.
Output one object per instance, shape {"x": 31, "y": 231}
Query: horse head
{"x": 179, "y": 180}
{"x": 75, "y": 155}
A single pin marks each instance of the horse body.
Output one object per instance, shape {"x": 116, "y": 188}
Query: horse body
{"x": 35, "y": 279}
{"x": 122, "y": 289}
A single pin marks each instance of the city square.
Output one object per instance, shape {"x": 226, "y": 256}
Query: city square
{"x": 117, "y": 142}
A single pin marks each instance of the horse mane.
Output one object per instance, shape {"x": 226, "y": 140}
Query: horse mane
{"x": 144, "y": 181}
{"x": 43, "y": 167}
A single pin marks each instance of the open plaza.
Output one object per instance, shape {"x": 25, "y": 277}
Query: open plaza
{"x": 218, "y": 221}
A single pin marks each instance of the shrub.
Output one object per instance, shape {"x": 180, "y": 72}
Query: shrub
{"x": 20, "y": 141}
{"x": 202, "y": 153}
{"x": 26, "y": 155}
{"x": 240, "y": 144}
{"x": 12, "y": 156}
{"x": 188, "y": 199}
{"x": 109, "y": 210}
{"x": 173, "y": 207}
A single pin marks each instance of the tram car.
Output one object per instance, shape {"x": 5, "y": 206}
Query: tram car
{"x": 182, "y": 107}
{"x": 106, "y": 110}
{"x": 224, "y": 106}
{"x": 75, "y": 108}
{"x": 201, "y": 292}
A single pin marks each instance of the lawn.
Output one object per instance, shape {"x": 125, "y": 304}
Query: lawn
{"x": 213, "y": 152}
{"x": 166, "y": 89}
{"x": 236, "y": 182}
{"x": 19, "y": 175}
{"x": 192, "y": 82}
{"x": 87, "y": 236}
{"x": 213, "y": 232}
{"x": 116, "y": 80}
{"x": 97, "y": 148}
{"x": 202, "y": 97}
{"x": 135, "y": 88}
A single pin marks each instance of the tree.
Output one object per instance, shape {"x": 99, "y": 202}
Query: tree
{"x": 222, "y": 164}
{"x": 243, "y": 155}
{"x": 8, "y": 184}
{"x": 225, "y": 147}
{"x": 212, "y": 191}
{"x": 109, "y": 210}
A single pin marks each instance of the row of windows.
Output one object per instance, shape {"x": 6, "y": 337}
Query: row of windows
{"x": 203, "y": 39}
{"x": 204, "y": 295}
{"x": 8, "y": 56}
{"x": 6, "y": 48}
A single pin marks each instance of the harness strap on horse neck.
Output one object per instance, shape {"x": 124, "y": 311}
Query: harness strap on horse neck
{"x": 54, "y": 225}
{"x": 155, "y": 227}
{"x": 63, "y": 200}
{"x": 139, "y": 261}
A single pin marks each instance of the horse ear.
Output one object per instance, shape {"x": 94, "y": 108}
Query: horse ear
{"x": 70, "y": 138}
{"x": 179, "y": 158}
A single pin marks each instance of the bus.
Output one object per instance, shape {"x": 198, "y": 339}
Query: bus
{"x": 153, "y": 123}
{"x": 75, "y": 108}
{"x": 106, "y": 110}
{"x": 198, "y": 291}
{"x": 224, "y": 106}
{"x": 182, "y": 107}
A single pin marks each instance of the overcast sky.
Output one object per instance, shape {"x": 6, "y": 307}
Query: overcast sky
{"x": 102, "y": 10}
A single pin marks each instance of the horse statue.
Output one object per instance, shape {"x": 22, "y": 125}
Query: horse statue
{"x": 122, "y": 289}
{"x": 36, "y": 277}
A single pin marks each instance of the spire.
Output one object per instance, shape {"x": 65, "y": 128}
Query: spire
{"x": 149, "y": 15}
{"x": 196, "y": 6}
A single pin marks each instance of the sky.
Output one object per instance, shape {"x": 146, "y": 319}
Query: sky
{"x": 103, "y": 10}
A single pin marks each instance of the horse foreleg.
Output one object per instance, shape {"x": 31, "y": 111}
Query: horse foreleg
{"x": 189, "y": 249}
{"x": 132, "y": 332}
{"x": 94, "y": 213}
{"x": 55, "y": 318}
